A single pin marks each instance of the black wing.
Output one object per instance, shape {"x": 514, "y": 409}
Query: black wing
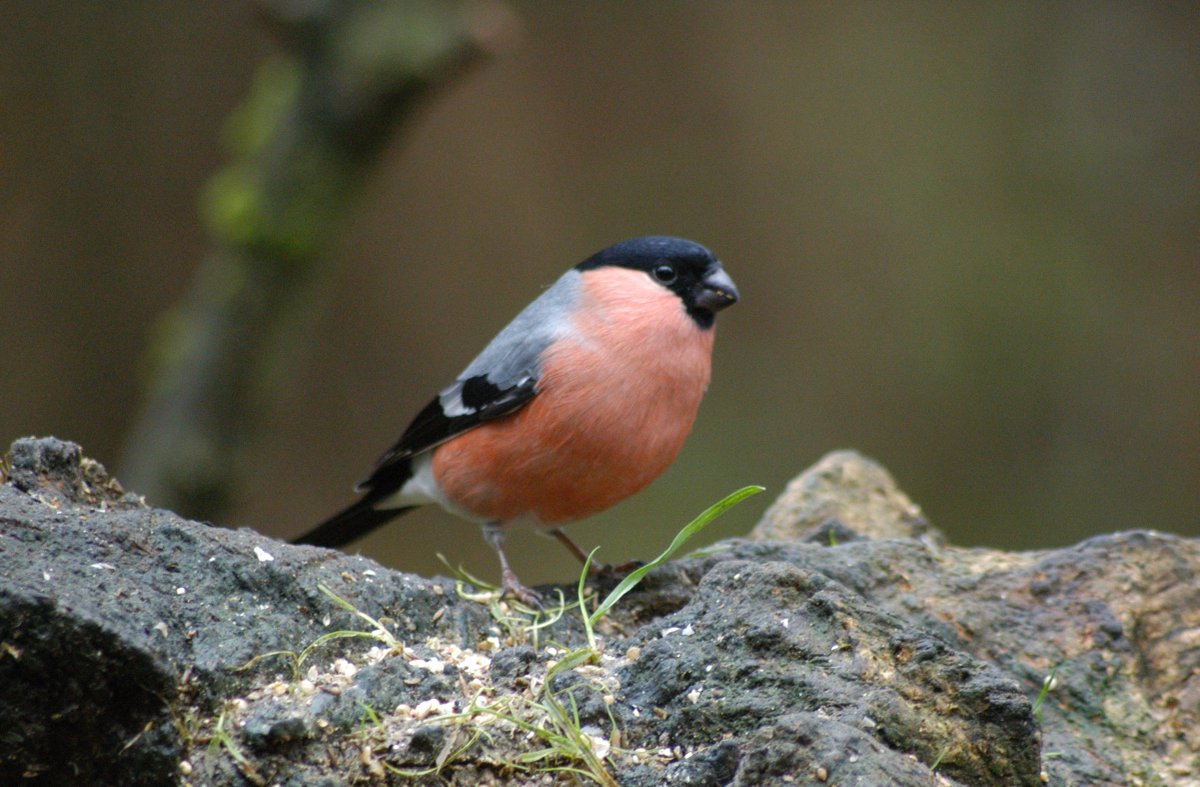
{"x": 472, "y": 402}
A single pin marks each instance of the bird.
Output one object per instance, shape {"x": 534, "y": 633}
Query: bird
{"x": 581, "y": 401}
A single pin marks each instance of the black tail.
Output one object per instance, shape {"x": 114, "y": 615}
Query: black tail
{"x": 353, "y": 522}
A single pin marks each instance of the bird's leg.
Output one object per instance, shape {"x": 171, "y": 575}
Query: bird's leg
{"x": 509, "y": 584}
{"x": 572, "y": 547}
{"x": 594, "y": 569}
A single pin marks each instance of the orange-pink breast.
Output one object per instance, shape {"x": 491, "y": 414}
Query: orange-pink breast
{"x": 616, "y": 400}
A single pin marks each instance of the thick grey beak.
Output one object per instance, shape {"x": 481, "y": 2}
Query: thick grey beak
{"x": 716, "y": 291}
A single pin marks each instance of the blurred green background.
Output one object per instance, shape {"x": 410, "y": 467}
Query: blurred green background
{"x": 967, "y": 238}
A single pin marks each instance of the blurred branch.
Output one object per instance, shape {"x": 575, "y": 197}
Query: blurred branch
{"x": 317, "y": 117}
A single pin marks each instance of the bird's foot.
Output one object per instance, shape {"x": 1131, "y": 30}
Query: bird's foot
{"x": 512, "y": 587}
{"x": 607, "y": 570}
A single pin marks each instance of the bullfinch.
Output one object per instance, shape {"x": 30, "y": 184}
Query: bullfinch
{"x": 578, "y": 403}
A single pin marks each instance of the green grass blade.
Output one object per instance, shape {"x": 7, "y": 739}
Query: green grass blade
{"x": 694, "y": 527}
{"x": 384, "y": 635}
{"x": 579, "y": 591}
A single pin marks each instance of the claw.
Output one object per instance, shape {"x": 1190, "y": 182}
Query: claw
{"x": 629, "y": 566}
{"x": 511, "y": 586}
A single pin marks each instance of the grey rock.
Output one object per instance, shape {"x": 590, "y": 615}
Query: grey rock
{"x": 139, "y": 648}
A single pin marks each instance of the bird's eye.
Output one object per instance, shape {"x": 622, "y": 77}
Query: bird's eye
{"x": 664, "y": 273}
